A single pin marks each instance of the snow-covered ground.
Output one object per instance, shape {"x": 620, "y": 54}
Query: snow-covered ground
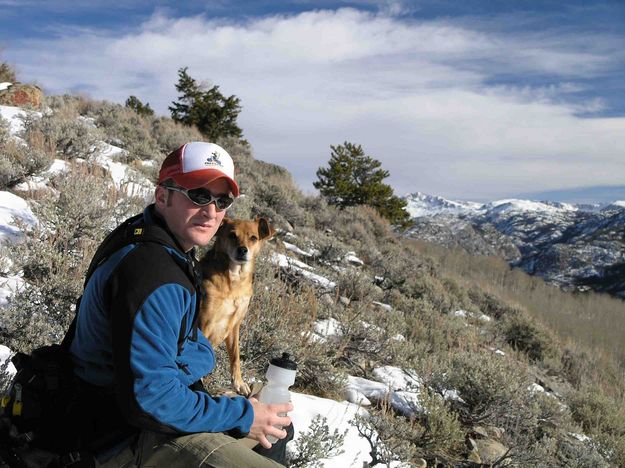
{"x": 12, "y": 114}
{"x": 14, "y": 209}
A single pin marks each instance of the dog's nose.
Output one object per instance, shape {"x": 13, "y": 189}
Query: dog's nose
{"x": 242, "y": 251}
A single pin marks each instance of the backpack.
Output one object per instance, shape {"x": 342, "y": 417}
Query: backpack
{"x": 36, "y": 411}
{"x": 40, "y": 396}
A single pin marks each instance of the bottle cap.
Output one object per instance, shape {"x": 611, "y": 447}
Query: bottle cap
{"x": 284, "y": 362}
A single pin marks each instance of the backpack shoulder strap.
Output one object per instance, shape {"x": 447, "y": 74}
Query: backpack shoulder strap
{"x": 131, "y": 231}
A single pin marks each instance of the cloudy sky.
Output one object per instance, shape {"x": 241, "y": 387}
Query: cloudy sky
{"x": 472, "y": 99}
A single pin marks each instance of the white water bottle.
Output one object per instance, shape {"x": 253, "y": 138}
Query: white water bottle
{"x": 280, "y": 376}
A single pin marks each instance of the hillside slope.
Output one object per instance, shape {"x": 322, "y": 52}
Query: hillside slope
{"x": 449, "y": 371}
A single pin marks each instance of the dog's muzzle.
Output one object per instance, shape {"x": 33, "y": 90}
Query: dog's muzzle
{"x": 242, "y": 254}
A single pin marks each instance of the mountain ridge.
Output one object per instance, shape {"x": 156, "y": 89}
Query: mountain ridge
{"x": 574, "y": 246}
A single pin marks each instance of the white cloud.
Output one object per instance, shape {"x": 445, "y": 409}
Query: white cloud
{"x": 415, "y": 94}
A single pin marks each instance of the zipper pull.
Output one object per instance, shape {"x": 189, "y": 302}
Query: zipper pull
{"x": 17, "y": 404}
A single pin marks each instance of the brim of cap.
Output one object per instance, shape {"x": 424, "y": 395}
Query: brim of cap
{"x": 197, "y": 179}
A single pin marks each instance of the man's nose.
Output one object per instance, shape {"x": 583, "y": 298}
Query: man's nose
{"x": 210, "y": 210}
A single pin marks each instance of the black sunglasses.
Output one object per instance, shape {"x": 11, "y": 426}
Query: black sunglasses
{"x": 202, "y": 197}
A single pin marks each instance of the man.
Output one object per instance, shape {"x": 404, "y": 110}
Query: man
{"x": 137, "y": 349}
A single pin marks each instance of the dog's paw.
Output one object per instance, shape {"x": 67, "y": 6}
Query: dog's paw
{"x": 242, "y": 388}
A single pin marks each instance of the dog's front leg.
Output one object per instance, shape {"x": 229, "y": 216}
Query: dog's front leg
{"x": 232, "y": 345}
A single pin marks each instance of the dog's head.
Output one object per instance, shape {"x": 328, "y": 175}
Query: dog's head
{"x": 241, "y": 240}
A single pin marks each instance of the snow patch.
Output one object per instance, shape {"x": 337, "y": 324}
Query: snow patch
{"x": 295, "y": 249}
{"x": 382, "y": 306}
{"x": 302, "y": 269}
{"x": 339, "y": 415}
{"x": 124, "y": 178}
{"x": 41, "y": 181}
{"x": 328, "y": 327}
{"x": 5, "y": 355}
{"x": 14, "y": 208}
{"x": 397, "y": 379}
{"x": 403, "y": 401}
{"x": 13, "y": 114}
{"x": 9, "y": 285}
{"x": 350, "y": 257}
{"x": 580, "y": 437}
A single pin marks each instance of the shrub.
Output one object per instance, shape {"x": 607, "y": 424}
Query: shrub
{"x": 281, "y": 200}
{"x": 425, "y": 326}
{"x": 490, "y": 304}
{"x": 316, "y": 443}
{"x": 361, "y": 226}
{"x": 5, "y": 133}
{"x": 386, "y": 435}
{"x": 528, "y": 336}
{"x": 490, "y": 388}
{"x": 66, "y": 137}
{"x": 436, "y": 432}
{"x": 596, "y": 411}
{"x": 170, "y": 135}
{"x": 54, "y": 257}
{"x": 433, "y": 433}
{"x": 125, "y": 128}
{"x": 7, "y": 73}
{"x": 603, "y": 418}
{"x": 20, "y": 161}
{"x": 134, "y": 103}
{"x": 357, "y": 286}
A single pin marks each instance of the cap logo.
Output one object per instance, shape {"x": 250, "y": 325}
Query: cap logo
{"x": 213, "y": 160}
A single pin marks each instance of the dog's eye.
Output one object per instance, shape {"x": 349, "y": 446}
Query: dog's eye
{"x": 233, "y": 235}
{"x": 253, "y": 238}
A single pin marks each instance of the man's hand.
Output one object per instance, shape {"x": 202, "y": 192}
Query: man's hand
{"x": 265, "y": 418}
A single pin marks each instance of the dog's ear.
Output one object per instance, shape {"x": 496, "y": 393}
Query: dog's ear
{"x": 265, "y": 231}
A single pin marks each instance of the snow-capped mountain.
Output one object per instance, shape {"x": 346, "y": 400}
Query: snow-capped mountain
{"x": 574, "y": 246}
{"x": 422, "y": 204}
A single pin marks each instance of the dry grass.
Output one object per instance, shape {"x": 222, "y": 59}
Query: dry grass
{"x": 596, "y": 321}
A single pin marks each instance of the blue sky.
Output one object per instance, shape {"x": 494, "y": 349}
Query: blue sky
{"x": 464, "y": 99}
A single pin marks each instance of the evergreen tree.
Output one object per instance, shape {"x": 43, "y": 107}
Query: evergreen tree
{"x": 134, "y": 103}
{"x": 353, "y": 178}
{"x": 210, "y": 111}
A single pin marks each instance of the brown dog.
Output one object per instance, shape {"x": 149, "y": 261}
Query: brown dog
{"x": 227, "y": 270}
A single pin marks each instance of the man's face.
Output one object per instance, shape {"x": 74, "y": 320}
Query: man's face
{"x": 190, "y": 223}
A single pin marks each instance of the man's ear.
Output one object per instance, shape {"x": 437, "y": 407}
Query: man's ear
{"x": 160, "y": 196}
{"x": 265, "y": 231}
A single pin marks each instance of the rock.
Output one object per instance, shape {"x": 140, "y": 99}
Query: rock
{"x": 496, "y": 432}
{"x": 490, "y": 450}
{"x": 480, "y": 433}
{"x": 474, "y": 457}
{"x": 327, "y": 299}
{"x": 420, "y": 463}
{"x": 21, "y": 95}
{"x": 471, "y": 443}
{"x": 354, "y": 396}
{"x": 344, "y": 300}
{"x": 381, "y": 306}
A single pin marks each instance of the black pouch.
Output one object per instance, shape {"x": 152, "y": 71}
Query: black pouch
{"x": 40, "y": 397}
